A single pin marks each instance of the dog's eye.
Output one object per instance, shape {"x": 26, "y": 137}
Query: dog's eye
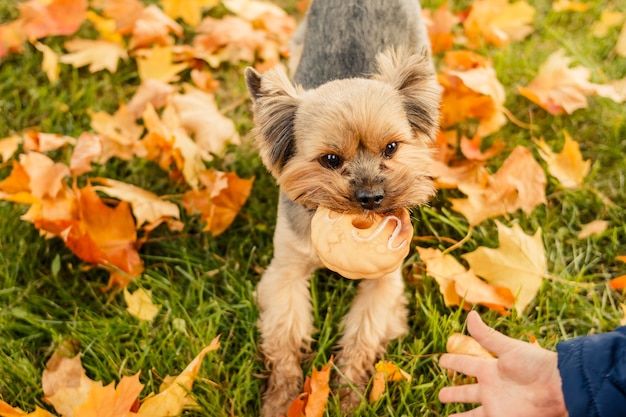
{"x": 331, "y": 161}
{"x": 390, "y": 149}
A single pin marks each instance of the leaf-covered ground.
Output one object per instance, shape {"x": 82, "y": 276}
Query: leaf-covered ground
{"x": 204, "y": 285}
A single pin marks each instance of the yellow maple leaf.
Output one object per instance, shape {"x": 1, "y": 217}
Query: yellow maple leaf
{"x": 156, "y": 63}
{"x": 7, "y": 411}
{"x": 568, "y": 165}
{"x": 506, "y": 191}
{"x": 139, "y": 304}
{"x": 8, "y": 146}
{"x": 519, "y": 263}
{"x": 458, "y": 285}
{"x": 386, "y": 371}
{"x": 173, "y": 397}
{"x": 188, "y": 10}
{"x": 98, "y": 54}
{"x": 106, "y": 26}
{"x": 608, "y": 20}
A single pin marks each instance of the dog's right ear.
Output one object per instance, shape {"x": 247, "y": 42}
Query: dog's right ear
{"x": 275, "y": 102}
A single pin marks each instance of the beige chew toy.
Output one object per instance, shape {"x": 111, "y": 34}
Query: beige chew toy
{"x": 361, "y": 247}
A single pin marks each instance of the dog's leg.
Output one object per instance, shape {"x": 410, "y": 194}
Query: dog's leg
{"x": 378, "y": 315}
{"x": 285, "y": 321}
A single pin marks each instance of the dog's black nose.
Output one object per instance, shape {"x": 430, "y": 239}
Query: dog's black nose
{"x": 370, "y": 199}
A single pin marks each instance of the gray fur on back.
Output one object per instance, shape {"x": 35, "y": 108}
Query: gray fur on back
{"x": 339, "y": 40}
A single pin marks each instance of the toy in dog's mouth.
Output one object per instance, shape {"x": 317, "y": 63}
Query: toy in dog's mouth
{"x": 358, "y": 246}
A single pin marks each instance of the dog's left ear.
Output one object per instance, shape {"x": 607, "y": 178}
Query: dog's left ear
{"x": 413, "y": 75}
{"x": 275, "y": 101}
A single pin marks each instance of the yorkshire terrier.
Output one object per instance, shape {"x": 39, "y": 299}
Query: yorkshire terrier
{"x": 352, "y": 134}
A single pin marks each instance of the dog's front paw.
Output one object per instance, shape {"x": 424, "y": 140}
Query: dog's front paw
{"x": 280, "y": 392}
{"x": 350, "y": 399}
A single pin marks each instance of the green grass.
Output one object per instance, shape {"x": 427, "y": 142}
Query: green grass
{"x": 206, "y": 285}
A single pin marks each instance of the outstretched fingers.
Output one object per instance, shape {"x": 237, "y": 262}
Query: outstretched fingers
{"x": 460, "y": 394}
{"x": 490, "y": 339}
{"x": 468, "y": 365}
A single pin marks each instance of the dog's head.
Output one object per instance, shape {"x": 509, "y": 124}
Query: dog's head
{"x": 351, "y": 145}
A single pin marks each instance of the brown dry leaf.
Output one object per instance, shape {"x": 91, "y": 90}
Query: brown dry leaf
{"x": 50, "y": 62}
{"x": 156, "y": 63}
{"x": 439, "y": 24}
{"x": 188, "y": 10}
{"x": 471, "y": 90}
{"x": 153, "y": 27}
{"x": 45, "y": 142}
{"x": 219, "y": 201}
{"x": 461, "y": 344}
{"x": 168, "y": 143}
{"x": 119, "y": 133}
{"x": 173, "y": 397}
{"x": 608, "y": 20}
{"x": 124, "y": 12}
{"x": 465, "y": 174}
{"x": 560, "y": 89}
{"x": 200, "y": 116}
{"x": 385, "y": 372}
{"x": 595, "y": 227}
{"x": 312, "y": 402}
{"x": 519, "y": 263}
{"x": 147, "y": 207}
{"x": 87, "y": 149}
{"x": 230, "y": 39}
{"x": 507, "y": 191}
{"x": 150, "y": 91}
{"x": 568, "y": 165}
{"x": 204, "y": 81}
{"x": 8, "y": 146}
{"x": 458, "y": 285}
{"x": 41, "y": 18}
{"x": 569, "y": 6}
{"x": 139, "y": 304}
{"x": 498, "y": 22}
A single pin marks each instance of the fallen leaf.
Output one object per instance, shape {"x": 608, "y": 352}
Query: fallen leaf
{"x": 98, "y": 54}
{"x": 460, "y": 286}
{"x": 148, "y": 208}
{"x": 505, "y": 191}
{"x": 41, "y": 18}
{"x": 221, "y": 199}
{"x": 12, "y": 37}
{"x": 569, "y": 6}
{"x": 139, "y": 304}
{"x": 567, "y": 166}
{"x": 88, "y": 148}
{"x": 124, "y": 12}
{"x": 50, "y": 62}
{"x": 188, "y": 10}
{"x": 150, "y": 91}
{"x": 119, "y": 133}
{"x": 595, "y": 227}
{"x": 385, "y": 372}
{"x": 107, "y": 27}
{"x": 471, "y": 90}
{"x": 156, "y": 63}
{"x": 8, "y": 146}
{"x": 618, "y": 283}
{"x": 461, "y": 344}
{"x": 153, "y": 27}
{"x": 498, "y": 22}
{"x": 608, "y": 20}
{"x": 559, "y": 89}
{"x": 439, "y": 24}
{"x": 38, "y": 175}
{"x": 7, "y": 411}
{"x": 312, "y": 402}
{"x": 519, "y": 263}
{"x": 200, "y": 116}
{"x": 111, "y": 401}
{"x": 471, "y": 148}
{"x": 45, "y": 142}
{"x": 173, "y": 398}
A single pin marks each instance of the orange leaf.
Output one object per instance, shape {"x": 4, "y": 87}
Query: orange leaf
{"x": 498, "y": 22}
{"x": 618, "y": 283}
{"x": 296, "y": 408}
{"x": 7, "y": 411}
{"x": 109, "y": 401}
{"x": 567, "y": 166}
{"x": 87, "y": 149}
{"x": 153, "y": 27}
{"x": 12, "y": 37}
{"x": 461, "y": 344}
{"x": 220, "y": 201}
{"x": 45, "y": 142}
{"x": 471, "y": 148}
{"x": 56, "y": 17}
{"x": 318, "y": 397}
{"x": 439, "y": 24}
{"x": 119, "y": 134}
{"x": 124, "y": 12}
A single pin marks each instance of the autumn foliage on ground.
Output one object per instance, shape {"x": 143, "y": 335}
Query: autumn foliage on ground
{"x": 174, "y": 121}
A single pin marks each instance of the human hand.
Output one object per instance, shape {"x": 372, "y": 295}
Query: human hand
{"x": 523, "y": 381}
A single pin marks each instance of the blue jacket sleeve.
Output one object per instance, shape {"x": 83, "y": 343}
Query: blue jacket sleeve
{"x": 593, "y": 371}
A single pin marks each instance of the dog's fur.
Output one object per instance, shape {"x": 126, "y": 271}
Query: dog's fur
{"x": 352, "y": 135}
